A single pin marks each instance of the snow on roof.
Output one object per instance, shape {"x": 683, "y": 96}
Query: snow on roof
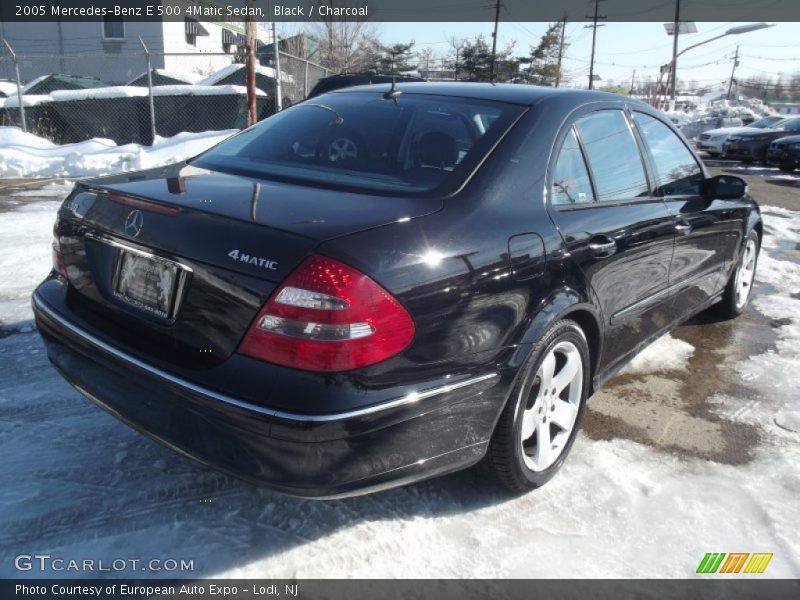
{"x": 117, "y": 91}
{"x": 201, "y": 90}
{"x": 8, "y": 87}
{"x": 128, "y": 91}
{"x": 233, "y": 68}
{"x": 172, "y": 74}
{"x": 27, "y": 100}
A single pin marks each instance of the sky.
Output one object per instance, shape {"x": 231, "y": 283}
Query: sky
{"x": 623, "y": 47}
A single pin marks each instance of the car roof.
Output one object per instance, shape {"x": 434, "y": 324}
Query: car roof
{"x": 501, "y": 92}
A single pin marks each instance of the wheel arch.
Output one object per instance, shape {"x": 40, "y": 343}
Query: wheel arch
{"x": 566, "y": 303}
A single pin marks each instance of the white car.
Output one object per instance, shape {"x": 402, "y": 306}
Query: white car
{"x": 711, "y": 141}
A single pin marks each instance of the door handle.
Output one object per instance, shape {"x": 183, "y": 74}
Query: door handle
{"x": 683, "y": 228}
{"x": 603, "y": 246}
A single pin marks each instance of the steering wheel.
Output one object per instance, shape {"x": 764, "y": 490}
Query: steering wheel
{"x": 341, "y": 149}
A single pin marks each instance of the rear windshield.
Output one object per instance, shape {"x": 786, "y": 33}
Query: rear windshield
{"x": 411, "y": 143}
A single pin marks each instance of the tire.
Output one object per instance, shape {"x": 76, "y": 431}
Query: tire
{"x": 787, "y": 168}
{"x": 516, "y": 462}
{"x": 739, "y": 287}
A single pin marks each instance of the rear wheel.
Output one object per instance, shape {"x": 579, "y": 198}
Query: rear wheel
{"x": 543, "y": 414}
{"x": 787, "y": 167}
{"x": 739, "y": 288}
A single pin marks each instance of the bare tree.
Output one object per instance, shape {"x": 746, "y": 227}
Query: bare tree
{"x": 343, "y": 41}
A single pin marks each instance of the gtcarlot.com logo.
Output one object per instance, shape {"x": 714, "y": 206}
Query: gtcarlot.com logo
{"x": 47, "y": 563}
{"x": 734, "y": 562}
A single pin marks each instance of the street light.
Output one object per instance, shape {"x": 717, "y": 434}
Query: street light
{"x": 738, "y": 30}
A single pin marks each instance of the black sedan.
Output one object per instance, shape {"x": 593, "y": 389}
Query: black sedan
{"x": 384, "y": 284}
{"x": 752, "y": 146}
{"x": 785, "y": 153}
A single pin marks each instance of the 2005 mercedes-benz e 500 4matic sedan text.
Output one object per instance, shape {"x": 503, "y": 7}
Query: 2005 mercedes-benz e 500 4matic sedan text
{"x": 383, "y": 284}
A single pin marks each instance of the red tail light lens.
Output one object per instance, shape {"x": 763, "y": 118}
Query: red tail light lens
{"x": 327, "y": 316}
{"x": 58, "y": 257}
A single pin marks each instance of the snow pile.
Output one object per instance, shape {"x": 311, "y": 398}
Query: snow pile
{"x": 26, "y": 155}
{"x": 702, "y": 116}
{"x": 665, "y": 354}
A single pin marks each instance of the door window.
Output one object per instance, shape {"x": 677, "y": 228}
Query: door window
{"x": 571, "y": 183}
{"x": 677, "y": 171}
{"x": 613, "y": 156}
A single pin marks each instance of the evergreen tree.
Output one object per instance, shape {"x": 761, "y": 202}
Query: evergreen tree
{"x": 543, "y": 67}
{"x": 393, "y": 59}
{"x": 475, "y": 62}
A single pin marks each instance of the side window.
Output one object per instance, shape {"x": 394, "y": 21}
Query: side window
{"x": 677, "y": 171}
{"x": 613, "y": 155}
{"x": 571, "y": 183}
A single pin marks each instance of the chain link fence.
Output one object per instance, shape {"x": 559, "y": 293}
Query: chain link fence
{"x": 72, "y": 98}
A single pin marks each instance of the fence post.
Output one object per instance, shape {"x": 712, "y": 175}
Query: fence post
{"x": 278, "y": 87}
{"x": 150, "y": 91}
{"x": 305, "y": 80}
{"x": 19, "y": 85}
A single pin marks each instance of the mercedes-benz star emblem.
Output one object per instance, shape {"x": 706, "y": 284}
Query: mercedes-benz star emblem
{"x": 134, "y": 222}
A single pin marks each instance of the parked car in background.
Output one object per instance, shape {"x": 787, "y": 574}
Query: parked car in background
{"x": 712, "y": 140}
{"x": 337, "y": 82}
{"x": 392, "y": 283}
{"x": 751, "y": 146}
{"x": 785, "y": 153}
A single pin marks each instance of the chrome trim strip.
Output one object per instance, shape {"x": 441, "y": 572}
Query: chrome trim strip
{"x": 183, "y": 383}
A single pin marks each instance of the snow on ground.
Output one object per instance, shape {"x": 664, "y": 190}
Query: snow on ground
{"x": 76, "y": 483}
{"x": 26, "y": 155}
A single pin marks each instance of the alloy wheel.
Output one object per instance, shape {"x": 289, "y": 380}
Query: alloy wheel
{"x": 745, "y": 273}
{"x": 552, "y": 407}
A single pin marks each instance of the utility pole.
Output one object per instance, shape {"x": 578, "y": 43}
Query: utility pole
{"x": 594, "y": 27}
{"x": 561, "y": 50}
{"x": 250, "y": 50}
{"x": 674, "y": 70}
{"x": 494, "y": 40}
{"x": 733, "y": 72}
{"x": 633, "y": 78}
{"x": 278, "y": 74}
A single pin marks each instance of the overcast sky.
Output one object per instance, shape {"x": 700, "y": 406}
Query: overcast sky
{"x": 623, "y": 47}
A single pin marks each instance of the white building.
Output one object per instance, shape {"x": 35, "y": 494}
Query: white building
{"x": 111, "y": 51}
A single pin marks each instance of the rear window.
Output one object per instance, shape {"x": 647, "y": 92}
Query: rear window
{"x": 413, "y": 143}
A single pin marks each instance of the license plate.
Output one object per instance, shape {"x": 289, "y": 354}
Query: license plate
{"x": 146, "y": 282}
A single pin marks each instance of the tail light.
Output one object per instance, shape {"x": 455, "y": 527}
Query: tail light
{"x": 327, "y": 316}
{"x": 58, "y": 257}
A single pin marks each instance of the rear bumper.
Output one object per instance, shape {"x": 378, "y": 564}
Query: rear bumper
{"x": 437, "y": 430}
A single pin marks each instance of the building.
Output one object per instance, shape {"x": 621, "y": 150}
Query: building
{"x": 785, "y": 108}
{"x": 111, "y": 50}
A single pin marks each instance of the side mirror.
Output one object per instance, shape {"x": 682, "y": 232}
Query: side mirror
{"x": 724, "y": 187}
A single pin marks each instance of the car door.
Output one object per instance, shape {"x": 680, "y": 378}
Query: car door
{"x": 707, "y": 231}
{"x": 614, "y": 228}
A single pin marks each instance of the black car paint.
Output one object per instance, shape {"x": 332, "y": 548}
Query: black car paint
{"x": 483, "y": 272}
{"x": 754, "y": 145}
{"x": 785, "y": 152}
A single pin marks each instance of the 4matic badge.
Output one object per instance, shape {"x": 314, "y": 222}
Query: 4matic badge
{"x": 257, "y": 261}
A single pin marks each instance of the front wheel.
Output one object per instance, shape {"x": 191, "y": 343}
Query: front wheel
{"x": 543, "y": 414}
{"x": 739, "y": 288}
